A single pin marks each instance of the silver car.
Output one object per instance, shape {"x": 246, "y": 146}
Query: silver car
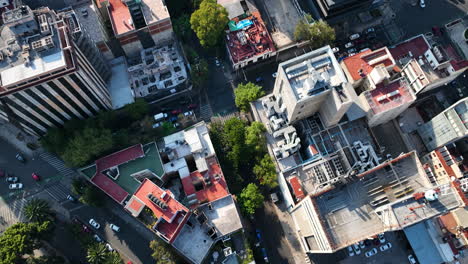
{"x": 94, "y": 223}
{"x": 15, "y": 186}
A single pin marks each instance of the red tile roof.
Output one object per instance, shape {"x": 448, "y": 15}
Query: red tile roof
{"x": 258, "y": 39}
{"x": 457, "y": 65}
{"x": 106, "y": 184}
{"x": 120, "y": 17}
{"x": 388, "y": 96}
{"x": 218, "y": 188}
{"x": 174, "y": 216}
{"x": 297, "y": 189}
{"x": 417, "y": 45}
{"x": 364, "y": 62}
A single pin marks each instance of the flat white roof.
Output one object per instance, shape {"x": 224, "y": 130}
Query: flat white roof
{"x": 119, "y": 86}
{"x": 36, "y": 67}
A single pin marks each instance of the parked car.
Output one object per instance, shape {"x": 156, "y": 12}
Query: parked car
{"x": 97, "y": 238}
{"x": 11, "y": 179}
{"x": 422, "y": 4}
{"x": 353, "y": 50}
{"x": 93, "y": 223}
{"x": 348, "y": 45}
{"x": 15, "y": 186}
{"x": 71, "y": 198}
{"x": 173, "y": 119}
{"x": 386, "y": 247}
{"x": 350, "y": 251}
{"x": 217, "y": 63}
{"x": 188, "y": 113}
{"x": 381, "y": 238}
{"x": 109, "y": 247}
{"x": 371, "y": 253}
{"x": 259, "y": 237}
{"x": 157, "y": 125}
{"x": 335, "y": 49}
{"x": 357, "y": 249}
{"x": 173, "y": 91}
{"x": 376, "y": 241}
{"x": 274, "y": 197}
{"x": 20, "y": 158}
{"x": 361, "y": 244}
{"x": 176, "y": 111}
{"x": 35, "y": 177}
{"x": 274, "y": 74}
{"x": 370, "y": 30}
{"x": 264, "y": 254}
{"x": 367, "y": 242}
{"x": 411, "y": 259}
{"x": 160, "y": 116}
{"x": 354, "y": 36}
{"x": 114, "y": 227}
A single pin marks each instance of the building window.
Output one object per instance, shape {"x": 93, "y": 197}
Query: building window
{"x": 435, "y": 166}
{"x": 433, "y": 154}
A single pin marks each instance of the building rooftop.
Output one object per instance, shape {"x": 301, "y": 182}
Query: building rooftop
{"x": 372, "y": 202}
{"x": 145, "y": 12}
{"x": 237, "y": 8}
{"x": 89, "y": 21}
{"x": 313, "y": 73}
{"x": 208, "y": 223}
{"x": 157, "y": 70}
{"x": 119, "y": 85}
{"x": 388, "y": 96}
{"x": 120, "y": 174}
{"x": 31, "y": 47}
{"x": 171, "y": 214}
{"x": 248, "y": 37}
{"x": 362, "y": 64}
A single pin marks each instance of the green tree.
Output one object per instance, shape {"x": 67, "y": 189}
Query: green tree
{"x": 86, "y": 145}
{"x": 319, "y": 33}
{"x": 246, "y": 93}
{"x": 200, "y": 73}
{"x": 92, "y": 196}
{"x": 22, "y": 238}
{"x": 37, "y": 210}
{"x": 97, "y": 253}
{"x": 255, "y": 136}
{"x": 266, "y": 172}
{"x": 234, "y": 139}
{"x": 137, "y": 109}
{"x": 161, "y": 253}
{"x": 55, "y": 140}
{"x": 113, "y": 258}
{"x": 251, "y": 199}
{"x": 208, "y": 22}
{"x": 78, "y": 186}
{"x": 182, "y": 27}
{"x": 167, "y": 128}
{"x": 46, "y": 260}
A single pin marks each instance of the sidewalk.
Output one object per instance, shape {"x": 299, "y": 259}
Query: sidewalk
{"x": 19, "y": 139}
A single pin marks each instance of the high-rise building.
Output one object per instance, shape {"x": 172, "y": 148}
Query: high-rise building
{"x": 50, "y": 71}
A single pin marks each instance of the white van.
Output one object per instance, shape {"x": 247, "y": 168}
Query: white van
{"x": 160, "y": 116}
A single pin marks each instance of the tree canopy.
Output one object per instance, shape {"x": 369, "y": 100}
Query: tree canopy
{"x": 97, "y": 253}
{"x": 266, "y": 172}
{"x": 251, "y": 199}
{"x": 319, "y": 32}
{"x": 246, "y": 93}
{"x": 137, "y": 109}
{"x": 161, "y": 253}
{"x": 182, "y": 27}
{"x": 255, "y": 136}
{"x": 208, "y": 22}
{"x": 37, "y": 210}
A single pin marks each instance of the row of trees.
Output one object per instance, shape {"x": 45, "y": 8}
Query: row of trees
{"x": 318, "y": 33}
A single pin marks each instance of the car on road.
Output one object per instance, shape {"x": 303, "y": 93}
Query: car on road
{"x": 94, "y": 224}
{"x": 20, "y": 158}
{"x": 264, "y": 254}
{"x": 348, "y": 45}
{"x": 115, "y": 228}
{"x": 188, "y": 113}
{"x": 274, "y": 74}
{"x": 422, "y": 4}
{"x": 217, "y": 62}
{"x": 386, "y": 247}
{"x": 71, "y": 198}
{"x": 11, "y": 179}
{"x": 370, "y": 30}
{"x": 381, "y": 238}
{"x": 35, "y": 176}
{"x": 350, "y": 251}
{"x": 157, "y": 125}
{"x": 335, "y": 49}
{"x": 354, "y": 36}
{"x": 97, "y": 238}
{"x": 109, "y": 247}
{"x": 411, "y": 259}
{"x": 371, "y": 253}
{"x": 15, "y": 186}
{"x": 357, "y": 249}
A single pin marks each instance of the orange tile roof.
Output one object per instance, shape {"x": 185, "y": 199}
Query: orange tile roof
{"x": 297, "y": 189}
{"x": 363, "y": 63}
{"x": 136, "y": 205}
{"x": 120, "y": 17}
{"x": 449, "y": 223}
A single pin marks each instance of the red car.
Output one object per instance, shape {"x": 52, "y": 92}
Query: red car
{"x": 36, "y": 177}
{"x": 176, "y": 111}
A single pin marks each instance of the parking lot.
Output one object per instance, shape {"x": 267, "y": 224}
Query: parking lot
{"x": 398, "y": 253}
{"x": 372, "y": 38}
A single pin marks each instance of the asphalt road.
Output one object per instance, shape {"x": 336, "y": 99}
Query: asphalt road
{"x": 416, "y": 20}
{"x": 219, "y": 89}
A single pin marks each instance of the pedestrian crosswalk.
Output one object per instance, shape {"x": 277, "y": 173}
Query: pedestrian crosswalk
{"x": 57, "y": 191}
{"x": 11, "y": 212}
{"x": 224, "y": 118}
{"x": 57, "y": 164}
{"x": 206, "y": 112}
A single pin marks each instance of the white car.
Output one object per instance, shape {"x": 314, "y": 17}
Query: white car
{"x": 422, "y": 4}
{"x": 15, "y": 186}
{"x": 335, "y": 49}
{"x": 354, "y": 36}
{"x": 357, "y": 249}
{"x": 217, "y": 62}
{"x": 385, "y": 247}
{"x": 350, "y": 251}
{"x": 381, "y": 238}
{"x": 115, "y": 228}
{"x": 411, "y": 259}
{"x": 361, "y": 244}
{"x": 274, "y": 74}
{"x": 94, "y": 223}
{"x": 348, "y": 45}
{"x": 109, "y": 247}
{"x": 97, "y": 238}
{"x": 371, "y": 253}
{"x": 188, "y": 113}
{"x": 12, "y": 179}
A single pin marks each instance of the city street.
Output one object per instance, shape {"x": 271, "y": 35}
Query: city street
{"x": 415, "y": 20}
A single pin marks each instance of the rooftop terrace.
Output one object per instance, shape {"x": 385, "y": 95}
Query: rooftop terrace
{"x": 249, "y": 41}
{"x": 361, "y": 64}
{"x": 388, "y": 96}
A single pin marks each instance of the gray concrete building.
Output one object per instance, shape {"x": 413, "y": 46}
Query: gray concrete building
{"x": 50, "y": 71}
